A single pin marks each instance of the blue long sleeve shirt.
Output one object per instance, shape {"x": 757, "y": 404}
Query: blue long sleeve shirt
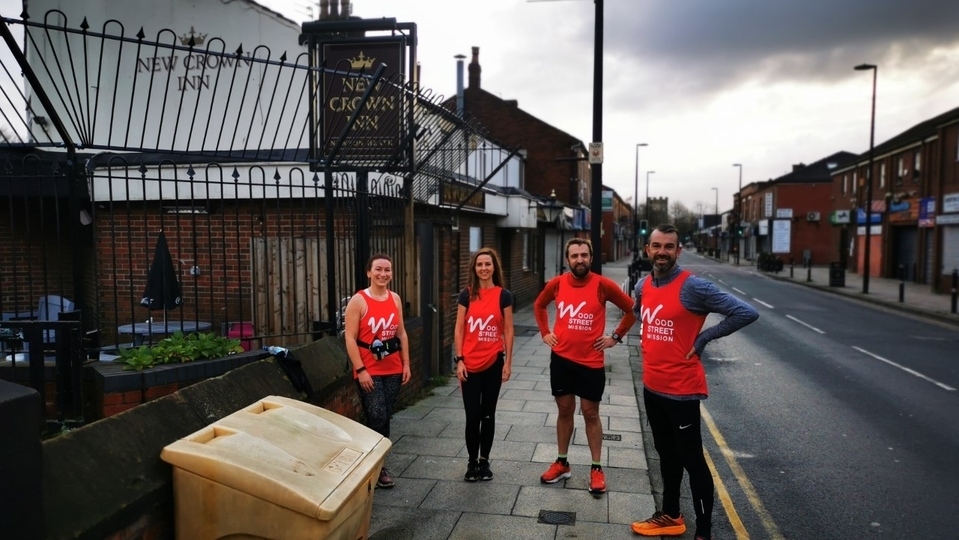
{"x": 702, "y": 297}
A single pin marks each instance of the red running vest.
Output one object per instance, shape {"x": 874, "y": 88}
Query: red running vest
{"x": 669, "y": 331}
{"x": 580, "y": 321}
{"x": 380, "y": 321}
{"x": 483, "y": 335}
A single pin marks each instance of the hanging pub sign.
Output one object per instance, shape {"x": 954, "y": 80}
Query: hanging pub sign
{"x": 376, "y": 134}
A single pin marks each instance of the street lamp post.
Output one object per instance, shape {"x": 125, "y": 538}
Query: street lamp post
{"x": 872, "y": 139}
{"x": 716, "y": 230}
{"x": 739, "y": 211}
{"x": 636, "y": 206}
{"x": 596, "y": 169}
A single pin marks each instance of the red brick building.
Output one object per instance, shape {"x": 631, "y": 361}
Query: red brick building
{"x": 914, "y": 203}
{"x": 789, "y": 216}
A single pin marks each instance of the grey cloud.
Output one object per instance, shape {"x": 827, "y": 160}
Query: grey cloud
{"x": 717, "y": 43}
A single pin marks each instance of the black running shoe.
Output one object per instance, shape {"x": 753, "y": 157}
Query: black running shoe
{"x": 484, "y": 471}
{"x": 472, "y": 471}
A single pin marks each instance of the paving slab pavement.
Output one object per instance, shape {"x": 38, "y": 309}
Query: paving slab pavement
{"x": 431, "y": 500}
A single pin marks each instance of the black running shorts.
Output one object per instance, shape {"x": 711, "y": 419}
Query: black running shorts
{"x": 568, "y": 377}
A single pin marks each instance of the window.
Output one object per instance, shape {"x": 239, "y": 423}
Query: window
{"x": 476, "y": 239}
{"x": 532, "y": 258}
{"x": 900, "y": 172}
{"x": 845, "y": 184}
{"x": 526, "y": 250}
{"x": 917, "y": 166}
{"x": 855, "y": 185}
{"x": 882, "y": 176}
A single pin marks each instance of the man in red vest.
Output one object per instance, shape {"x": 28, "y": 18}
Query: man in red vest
{"x": 673, "y": 305}
{"x": 577, "y": 361}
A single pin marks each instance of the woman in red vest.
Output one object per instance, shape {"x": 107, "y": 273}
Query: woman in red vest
{"x": 378, "y": 348}
{"x": 483, "y": 341}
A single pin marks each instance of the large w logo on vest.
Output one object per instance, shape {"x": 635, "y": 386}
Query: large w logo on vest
{"x": 478, "y": 323}
{"x": 381, "y": 324}
{"x": 568, "y": 311}
{"x": 650, "y": 316}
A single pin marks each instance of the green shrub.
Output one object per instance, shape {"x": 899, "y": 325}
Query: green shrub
{"x": 179, "y": 348}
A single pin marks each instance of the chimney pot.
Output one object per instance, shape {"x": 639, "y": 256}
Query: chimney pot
{"x": 475, "y": 70}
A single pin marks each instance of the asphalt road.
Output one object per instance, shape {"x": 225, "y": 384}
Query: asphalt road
{"x": 830, "y": 419}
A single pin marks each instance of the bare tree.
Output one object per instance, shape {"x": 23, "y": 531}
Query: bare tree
{"x": 684, "y": 219}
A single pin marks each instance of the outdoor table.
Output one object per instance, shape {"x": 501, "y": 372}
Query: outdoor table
{"x": 141, "y": 330}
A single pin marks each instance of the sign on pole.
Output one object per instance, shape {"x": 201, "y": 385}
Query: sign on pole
{"x": 595, "y": 153}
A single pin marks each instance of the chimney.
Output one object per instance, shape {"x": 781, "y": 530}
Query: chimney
{"x": 799, "y": 166}
{"x": 459, "y": 83}
{"x": 475, "y": 69}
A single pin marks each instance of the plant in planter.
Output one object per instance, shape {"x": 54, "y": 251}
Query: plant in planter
{"x": 179, "y": 348}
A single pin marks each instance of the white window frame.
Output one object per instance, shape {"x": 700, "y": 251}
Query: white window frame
{"x": 476, "y": 239}
{"x": 526, "y": 251}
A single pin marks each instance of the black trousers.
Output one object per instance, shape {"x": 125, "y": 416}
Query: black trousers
{"x": 378, "y": 403}
{"x": 676, "y": 435}
{"x": 480, "y": 394}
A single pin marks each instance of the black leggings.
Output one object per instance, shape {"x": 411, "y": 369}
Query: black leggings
{"x": 480, "y": 394}
{"x": 675, "y": 425}
{"x": 378, "y": 403}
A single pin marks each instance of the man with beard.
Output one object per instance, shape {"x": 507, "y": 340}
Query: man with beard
{"x": 577, "y": 361}
{"x": 672, "y": 305}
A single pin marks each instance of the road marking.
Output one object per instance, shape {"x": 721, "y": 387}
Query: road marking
{"x": 739, "y": 291}
{"x": 809, "y": 326}
{"x": 907, "y": 370}
{"x": 761, "y": 302}
{"x": 767, "y": 520}
{"x": 726, "y": 500}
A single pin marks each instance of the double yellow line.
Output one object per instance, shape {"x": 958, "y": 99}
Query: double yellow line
{"x": 767, "y": 521}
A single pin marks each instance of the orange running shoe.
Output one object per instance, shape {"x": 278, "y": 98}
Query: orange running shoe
{"x": 556, "y": 472}
{"x": 660, "y": 525}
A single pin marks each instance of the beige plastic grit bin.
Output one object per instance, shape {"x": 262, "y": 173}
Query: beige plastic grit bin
{"x": 278, "y": 469}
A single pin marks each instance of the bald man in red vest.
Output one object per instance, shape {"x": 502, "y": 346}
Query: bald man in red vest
{"x": 673, "y": 305}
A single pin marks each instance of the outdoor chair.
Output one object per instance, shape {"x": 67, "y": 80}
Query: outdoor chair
{"x": 49, "y": 309}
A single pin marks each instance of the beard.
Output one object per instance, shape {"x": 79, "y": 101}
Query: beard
{"x": 580, "y": 270}
{"x": 663, "y": 266}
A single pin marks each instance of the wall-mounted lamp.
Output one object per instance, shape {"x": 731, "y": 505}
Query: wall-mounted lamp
{"x": 552, "y": 209}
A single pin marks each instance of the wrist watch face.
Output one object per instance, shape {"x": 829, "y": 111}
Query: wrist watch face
{"x": 617, "y": 337}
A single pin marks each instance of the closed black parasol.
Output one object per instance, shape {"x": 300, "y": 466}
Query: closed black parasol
{"x": 163, "y": 287}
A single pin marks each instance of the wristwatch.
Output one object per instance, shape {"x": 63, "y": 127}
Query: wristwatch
{"x": 617, "y": 337}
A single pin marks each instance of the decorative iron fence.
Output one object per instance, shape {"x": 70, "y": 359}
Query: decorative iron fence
{"x": 269, "y": 205}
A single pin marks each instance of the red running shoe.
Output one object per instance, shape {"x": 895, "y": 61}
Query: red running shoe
{"x": 556, "y": 472}
{"x": 597, "y": 481}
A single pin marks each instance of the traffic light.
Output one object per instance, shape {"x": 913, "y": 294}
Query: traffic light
{"x": 643, "y": 227}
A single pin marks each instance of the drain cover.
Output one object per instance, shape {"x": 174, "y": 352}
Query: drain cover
{"x": 552, "y": 517}
{"x": 611, "y": 437}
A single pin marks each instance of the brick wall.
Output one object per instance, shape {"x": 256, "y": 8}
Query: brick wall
{"x": 36, "y": 259}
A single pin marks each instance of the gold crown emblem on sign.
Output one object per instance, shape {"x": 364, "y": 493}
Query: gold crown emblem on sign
{"x": 362, "y": 61}
{"x": 197, "y": 38}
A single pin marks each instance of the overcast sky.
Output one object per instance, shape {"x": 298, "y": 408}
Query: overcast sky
{"x": 705, "y": 83}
